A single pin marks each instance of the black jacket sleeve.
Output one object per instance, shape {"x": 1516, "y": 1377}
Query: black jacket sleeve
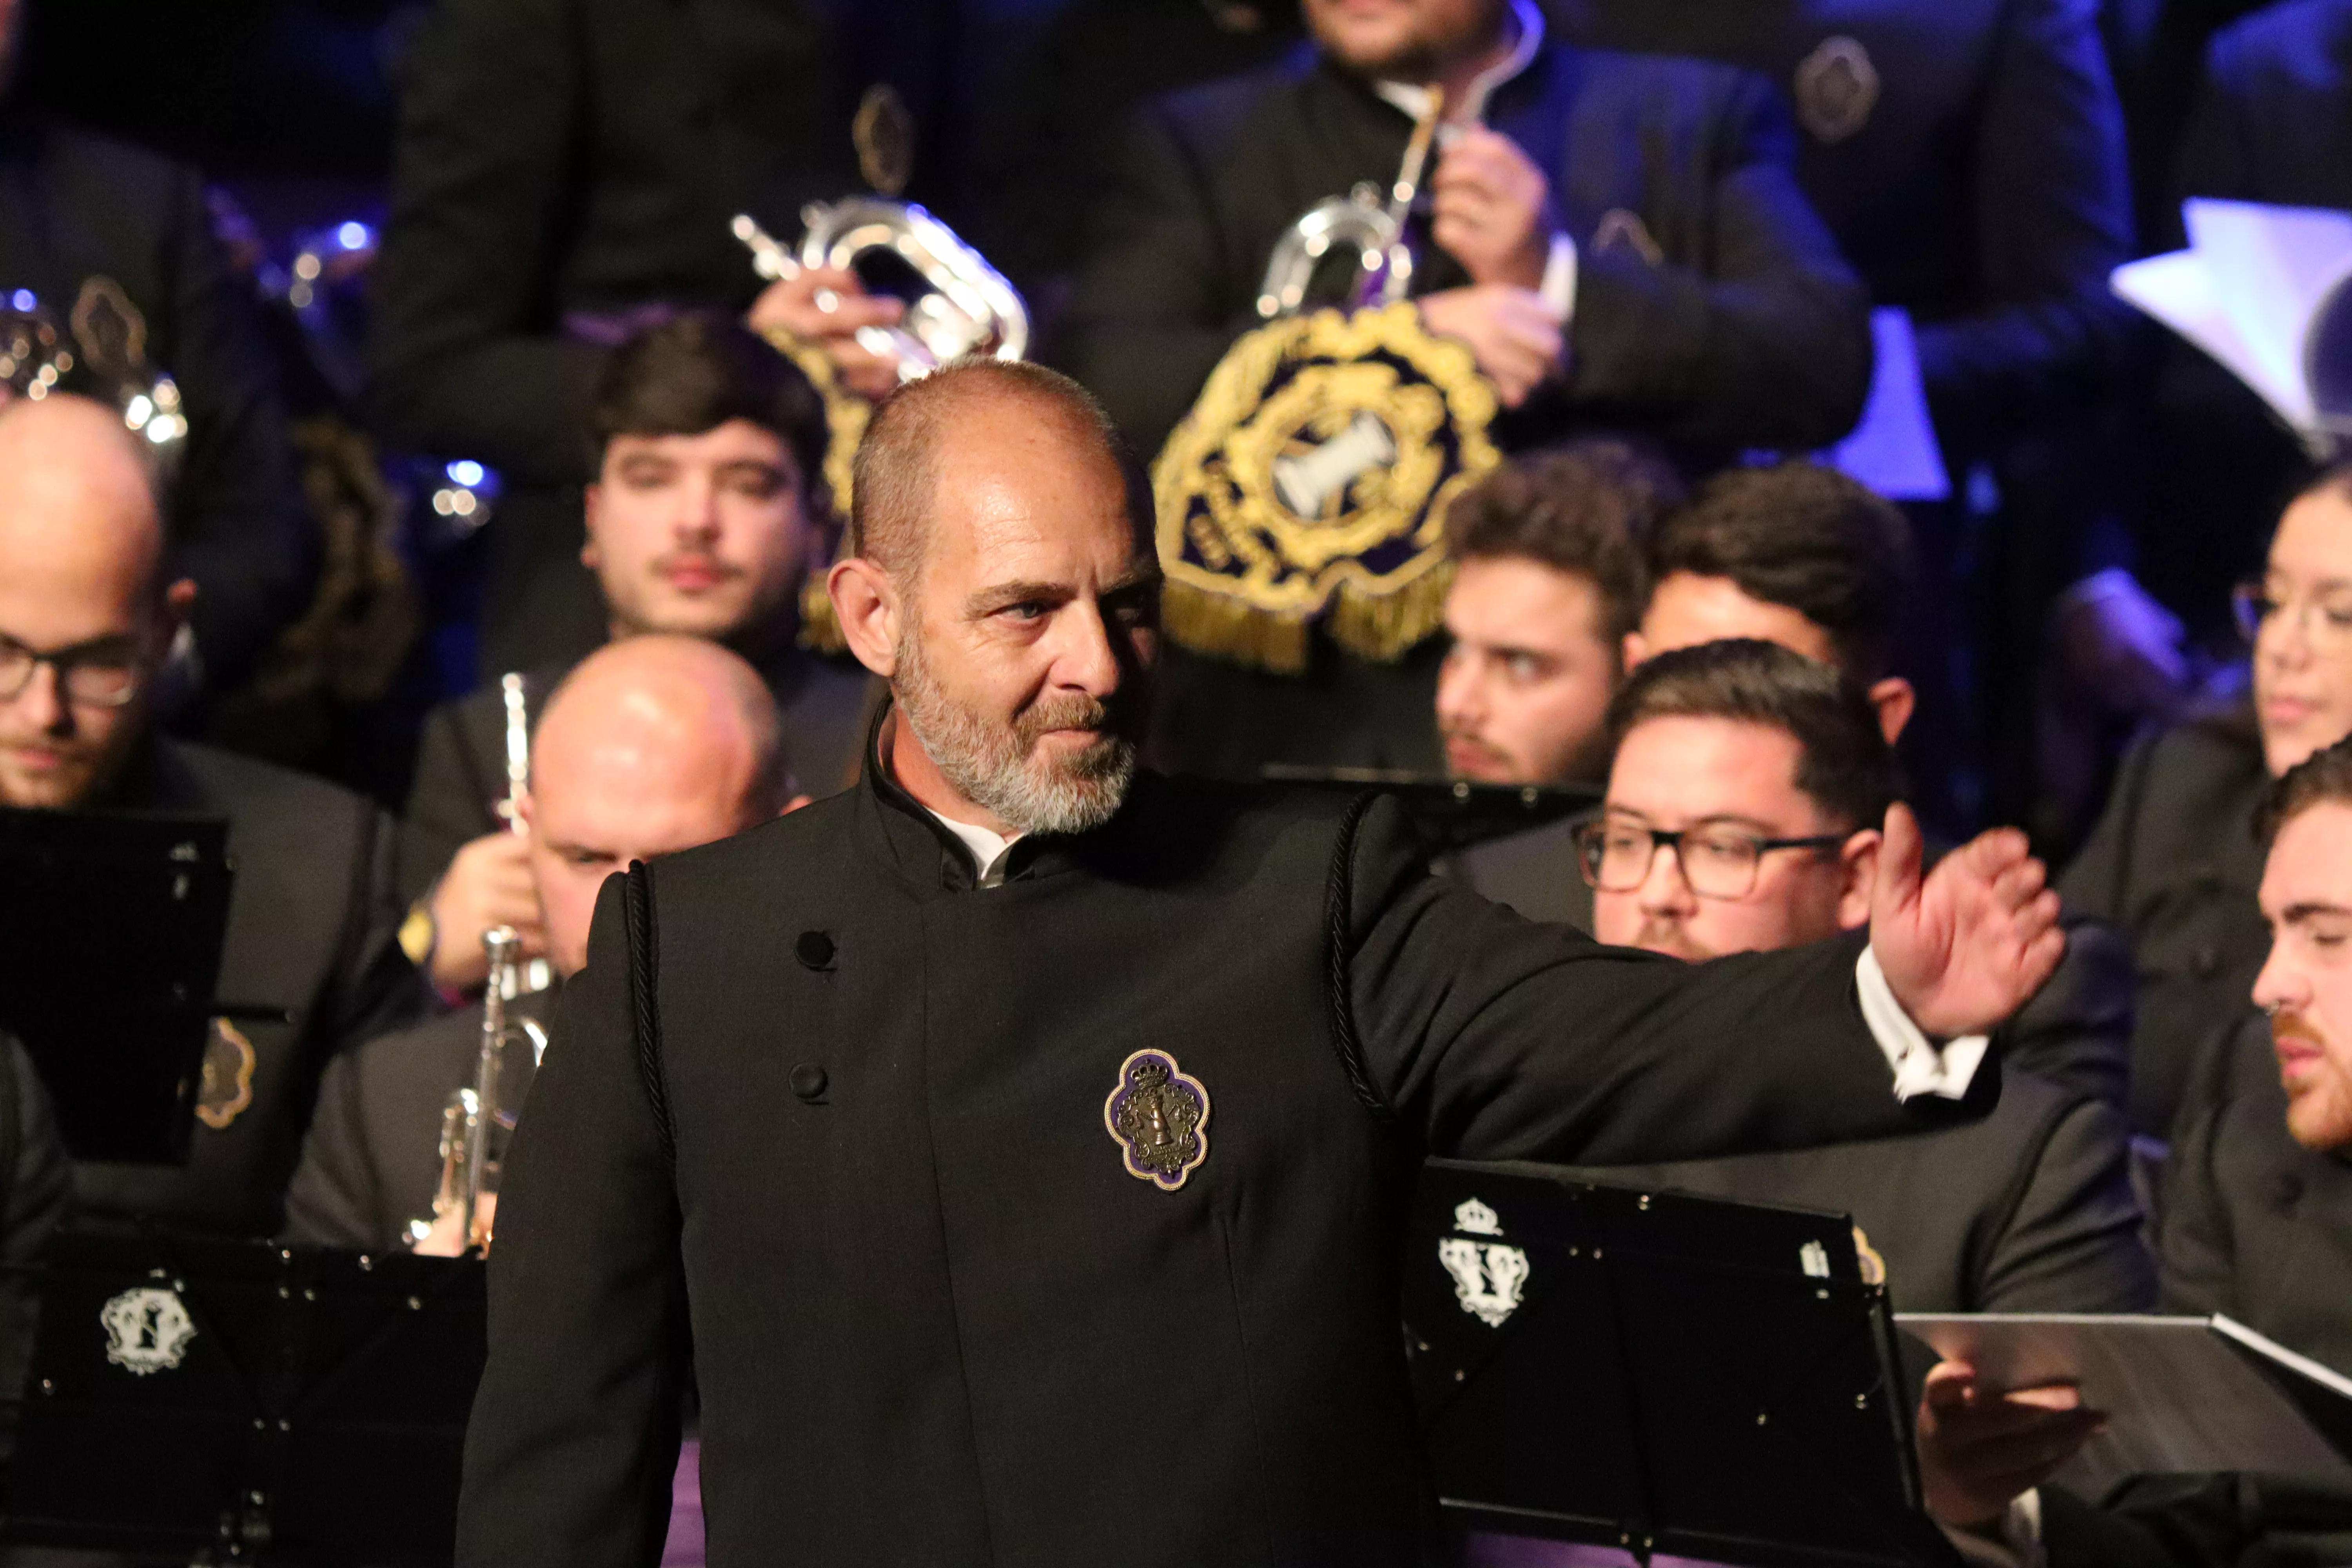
{"x": 374, "y": 988}
{"x": 1767, "y": 345}
{"x": 239, "y": 527}
{"x": 1491, "y": 1038}
{"x": 574, "y": 1433}
{"x": 465, "y": 354}
{"x": 2052, "y": 196}
{"x": 2071, "y": 1241}
{"x": 334, "y": 1199}
{"x": 38, "y": 1199}
{"x": 446, "y": 799}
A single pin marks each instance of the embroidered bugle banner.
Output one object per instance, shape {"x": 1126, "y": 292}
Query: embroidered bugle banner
{"x": 1309, "y": 485}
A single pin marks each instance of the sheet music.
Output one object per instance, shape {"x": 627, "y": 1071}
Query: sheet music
{"x": 2246, "y": 291}
{"x": 2181, "y": 1395}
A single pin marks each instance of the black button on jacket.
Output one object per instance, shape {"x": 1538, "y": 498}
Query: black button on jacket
{"x": 935, "y": 1319}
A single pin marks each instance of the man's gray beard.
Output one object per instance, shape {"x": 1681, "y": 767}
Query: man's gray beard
{"x": 1000, "y": 767}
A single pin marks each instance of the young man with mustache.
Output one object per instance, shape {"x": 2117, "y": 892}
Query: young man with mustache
{"x": 2258, "y": 1210}
{"x": 707, "y": 513}
{"x": 1014, "y": 1148}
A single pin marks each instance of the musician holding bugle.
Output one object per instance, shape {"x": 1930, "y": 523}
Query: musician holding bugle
{"x": 652, "y": 744}
{"x": 565, "y": 174}
{"x": 1618, "y": 241}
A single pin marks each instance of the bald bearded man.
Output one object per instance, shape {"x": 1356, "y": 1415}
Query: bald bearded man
{"x": 1014, "y": 1148}
{"x": 651, "y": 744}
{"x": 86, "y": 612}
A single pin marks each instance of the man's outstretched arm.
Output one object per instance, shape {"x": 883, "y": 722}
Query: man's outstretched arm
{"x": 1494, "y": 1039}
{"x": 575, "y": 1434}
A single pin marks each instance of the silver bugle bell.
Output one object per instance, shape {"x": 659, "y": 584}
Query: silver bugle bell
{"x": 966, "y": 307}
{"x": 477, "y": 1113}
{"x": 1359, "y": 221}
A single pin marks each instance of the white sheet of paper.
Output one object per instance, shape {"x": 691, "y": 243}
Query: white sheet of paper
{"x": 2246, "y": 290}
{"x": 1894, "y": 449}
{"x": 2272, "y": 267}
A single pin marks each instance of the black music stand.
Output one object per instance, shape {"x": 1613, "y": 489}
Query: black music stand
{"x": 1657, "y": 1373}
{"x": 112, "y": 925}
{"x": 236, "y": 1402}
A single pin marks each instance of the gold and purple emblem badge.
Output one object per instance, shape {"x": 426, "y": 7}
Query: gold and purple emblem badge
{"x": 1159, "y": 1117}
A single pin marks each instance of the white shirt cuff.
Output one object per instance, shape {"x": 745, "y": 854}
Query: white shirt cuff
{"x": 1558, "y": 287}
{"x": 2013, "y": 1540}
{"x": 1920, "y": 1066}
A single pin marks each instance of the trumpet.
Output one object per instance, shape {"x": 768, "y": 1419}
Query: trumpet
{"x": 965, "y": 306}
{"x": 1358, "y": 221}
{"x": 478, "y": 1118}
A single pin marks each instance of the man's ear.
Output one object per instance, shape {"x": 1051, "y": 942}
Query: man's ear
{"x": 592, "y": 500}
{"x": 865, "y": 602}
{"x": 1858, "y": 869}
{"x": 1896, "y": 700}
{"x": 1635, "y": 651}
{"x": 522, "y": 805}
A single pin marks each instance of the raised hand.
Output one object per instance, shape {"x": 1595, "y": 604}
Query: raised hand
{"x": 1511, "y": 334}
{"x": 1965, "y": 948}
{"x": 488, "y": 884}
{"x": 1492, "y": 208}
{"x": 826, "y": 306}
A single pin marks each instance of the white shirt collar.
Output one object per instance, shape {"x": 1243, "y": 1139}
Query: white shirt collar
{"x": 1413, "y": 99}
{"x": 989, "y": 850}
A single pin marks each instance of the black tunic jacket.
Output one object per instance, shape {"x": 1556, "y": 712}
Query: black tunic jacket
{"x": 932, "y": 1317}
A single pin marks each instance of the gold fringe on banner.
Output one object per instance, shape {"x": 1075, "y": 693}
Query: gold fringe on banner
{"x": 1385, "y": 627}
{"x": 1227, "y": 627}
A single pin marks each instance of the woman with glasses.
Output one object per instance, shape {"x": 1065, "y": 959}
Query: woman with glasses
{"x": 2173, "y": 861}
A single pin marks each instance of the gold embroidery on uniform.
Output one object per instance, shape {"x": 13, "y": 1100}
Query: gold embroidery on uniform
{"x": 1309, "y": 484}
{"x": 225, "y": 1090}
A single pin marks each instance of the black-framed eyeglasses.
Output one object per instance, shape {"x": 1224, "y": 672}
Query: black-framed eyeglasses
{"x": 103, "y": 674}
{"x": 1719, "y": 860}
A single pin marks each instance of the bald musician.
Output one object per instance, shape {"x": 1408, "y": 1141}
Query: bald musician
{"x": 652, "y": 744}
{"x": 86, "y": 612}
{"x": 1014, "y": 1148}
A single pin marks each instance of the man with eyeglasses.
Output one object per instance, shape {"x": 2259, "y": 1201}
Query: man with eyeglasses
{"x": 1738, "y": 819}
{"x": 86, "y": 615}
{"x": 2174, "y": 861}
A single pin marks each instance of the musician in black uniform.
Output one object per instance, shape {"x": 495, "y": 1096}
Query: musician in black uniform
{"x": 651, "y": 745}
{"x": 707, "y": 513}
{"x": 87, "y": 608}
{"x": 1019, "y": 1140}
{"x": 1970, "y": 159}
{"x": 78, "y": 210}
{"x": 565, "y": 170}
{"x": 1621, "y": 243}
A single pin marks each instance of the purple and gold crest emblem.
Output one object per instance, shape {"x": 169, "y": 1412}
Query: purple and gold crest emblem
{"x": 1159, "y": 1117}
